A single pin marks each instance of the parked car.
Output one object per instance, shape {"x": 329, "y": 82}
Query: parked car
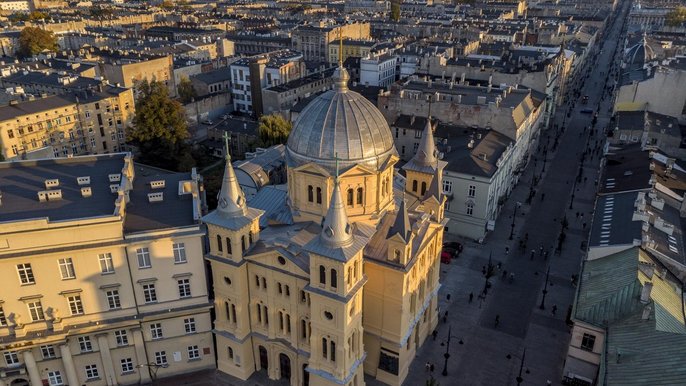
{"x": 446, "y": 257}
{"x": 453, "y": 244}
{"x": 225, "y": 116}
{"x": 587, "y": 111}
{"x": 584, "y": 100}
{"x": 207, "y": 122}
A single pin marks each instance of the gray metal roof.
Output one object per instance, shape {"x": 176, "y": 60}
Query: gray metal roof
{"x": 20, "y": 182}
{"x": 612, "y": 221}
{"x": 340, "y": 123}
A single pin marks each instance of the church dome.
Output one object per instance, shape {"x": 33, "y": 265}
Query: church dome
{"x": 340, "y": 123}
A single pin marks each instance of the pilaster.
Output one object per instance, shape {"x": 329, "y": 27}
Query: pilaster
{"x": 106, "y": 357}
{"x": 32, "y": 368}
{"x": 141, "y": 357}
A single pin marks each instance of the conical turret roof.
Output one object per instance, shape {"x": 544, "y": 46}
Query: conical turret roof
{"x": 336, "y": 230}
{"x": 426, "y": 153}
{"x": 401, "y": 225}
{"x": 231, "y": 199}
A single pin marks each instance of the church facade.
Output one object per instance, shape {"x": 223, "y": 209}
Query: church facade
{"x": 344, "y": 281}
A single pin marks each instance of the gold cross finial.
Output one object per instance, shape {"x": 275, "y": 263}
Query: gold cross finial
{"x": 340, "y": 46}
{"x": 336, "y": 175}
{"x": 226, "y": 145}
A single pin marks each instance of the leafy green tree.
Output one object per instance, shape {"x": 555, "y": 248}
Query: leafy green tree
{"x": 273, "y": 129}
{"x": 160, "y": 128}
{"x": 395, "y": 10}
{"x": 186, "y": 90}
{"x": 33, "y": 40}
{"x": 676, "y": 17}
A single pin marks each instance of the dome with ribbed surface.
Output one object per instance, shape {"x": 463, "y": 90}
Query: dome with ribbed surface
{"x": 340, "y": 123}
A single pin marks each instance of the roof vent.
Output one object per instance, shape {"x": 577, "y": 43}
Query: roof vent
{"x": 83, "y": 180}
{"x": 50, "y": 195}
{"x": 115, "y": 177}
{"x": 159, "y": 184}
{"x": 155, "y": 197}
{"x": 53, "y": 183}
{"x": 114, "y": 188}
{"x": 86, "y": 191}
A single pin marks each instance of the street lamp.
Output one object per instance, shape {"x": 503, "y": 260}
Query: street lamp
{"x": 521, "y": 367}
{"x": 447, "y": 351}
{"x": 545, "y": 289}
{"x": 152, "y": 369}
{"x": 514, "y": 216}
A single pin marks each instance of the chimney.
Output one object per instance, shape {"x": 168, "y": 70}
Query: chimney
{"x": 645, "y": 292}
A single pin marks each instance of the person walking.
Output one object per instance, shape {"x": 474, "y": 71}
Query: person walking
{"x": 497, "y": 320}
{"x": 511, "y": 277}
{"x": 471, "y": 296}
{"x": 533, "y": 253}
{"x": 434, "y": 334}
{"x": 554, "y": 309}
{"x": 431, "y": 367}
{"x": 427, "y": 366}
{"x": 507, "y": 251}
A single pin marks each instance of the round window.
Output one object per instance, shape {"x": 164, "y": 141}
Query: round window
{"x": 281, "y": 260}
{"x": 227, "y": 280}
{"x": 328, "y": 315}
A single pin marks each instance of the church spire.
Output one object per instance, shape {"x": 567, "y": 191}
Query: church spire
{"x": 426, "y": 153}
{"x": 336, "y": 230}
{"x": 401, "y": 225}
{"x": 231, "y": 199}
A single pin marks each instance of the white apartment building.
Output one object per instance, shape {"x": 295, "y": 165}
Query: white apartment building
{"x": 378, "y": 70}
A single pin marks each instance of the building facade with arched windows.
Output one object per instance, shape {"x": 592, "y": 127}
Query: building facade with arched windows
{"x": 293, "y": 281}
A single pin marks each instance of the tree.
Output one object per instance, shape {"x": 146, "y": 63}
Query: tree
{"x": 676, "y": 17}
{"x": 33, "y": 40}
{"x": 186, "y": 91}
{"x": 395, "y": 10}
{"x": 273, "y": 129}
{"x": 160, "y": 128}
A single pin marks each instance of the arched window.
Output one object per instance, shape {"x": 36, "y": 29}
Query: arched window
{"x": 228, "y": 246}
{"x": 423, "y": 188}
{"x": 333, "y": 351}
{"x": 219, "y": 243}
{"x": 360, "y": 196}
{"x": 414, "y": 185}
{"x": 310, "y": 193}
{"x": 319, "y": 195}
{"x": 230, "y": 353}
{"x": 350, "y": 197}
{"x": 322, "y": 274}
{"x": 325, "y": 346}
{"x": 303, "y": 328}
{"x": 250, "y": 238}
{"x": 243, "y": 246}
{"x": 334, "y": 278}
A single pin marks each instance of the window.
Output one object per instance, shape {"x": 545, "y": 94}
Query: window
{"x": 184, "y": 288}
{"x": 193, "y": 352}
{"x": 75, "y": 305}
{"x": 319, "y": 195}
{"x": 414, "y": 185}
{"x": 388, "y": 361}
{"x": 471, "y": 192}
{"x": 350, "y": 197}
{"x": 25, "y": 274}
{"x": 10, "y": 134}
{"x": 417, "y": 134}
{"x": 113, "y": 299}
{"x": 11, "y": 358}
{"x": 66, "y": 268}
{"x": 333, "y": 351}
{"x": 334, "y": 278}
{"x": 228, "y": 246}
{"x": 143, "y": 255}
{"x": 106, "y": 265}
{"x": 230, "y": 353}
{"x": 470, "y": 208}
{"x": 156, "y": 331}
{"x": 219, "y": 243}
{"x": 588, "y": 342}
{"x": 126, "y": 365}
{"x": 189, "y": 325}
{"x": 55, "y": 378}
{"x": 310, "y": 193}
{"x": 161, "y": 358}
{"x": 85, "y": 344}
{"x": 3, "y": 318}
{"x": 179, "y": 253}
{"x": 250, "y": 238}
{"x": 423, "y": 188}
{"x": 149, "y": 293}
{"x": 325, "y": 347}
{"x": 360, "y": 196}
{"x": 121, "y": 337}
{"x": 322, "y": 275}
{"x": 447, "y": 186}
{"x": 35, "y": 310}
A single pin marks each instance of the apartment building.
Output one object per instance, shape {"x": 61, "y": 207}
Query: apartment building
{"x": 127, "y": 70}
{"x": 280, "y": 99}
{"x": 87, "y": 122}
{"x": 104, "y": 281}
{"x": 314, "y": 40}
{"x": 378, "y": 70}
{"x": 250, "y": 76}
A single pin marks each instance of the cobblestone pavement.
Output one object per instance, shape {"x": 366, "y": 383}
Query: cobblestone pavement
{"x": 479, "y": 349}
